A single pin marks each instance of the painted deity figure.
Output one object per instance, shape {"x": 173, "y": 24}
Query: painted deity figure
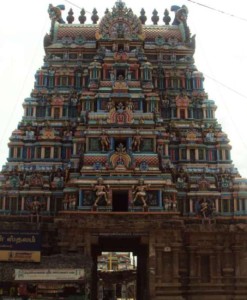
{"x": 112, "y": 75}
{"x": 204, "y": 208}
{"x": 170, "y": 204}
{"x": 130, "y": 105}
{"x": 140, "y": 192}
{"x": 101, "y": 191}
{"x": 166, "y": 204}
{"x": 120, "y": 107}
{"x": 66, "y": 202}
{"x": 110, "y": 105}
{"x": 72, "y": 201}
{"x": 36, "y": 206}
{"x": 104, "y": 141}
{"x": 55, "y": 13}
{"x": 136, "y": 143}
{"x": 174, "y": 205}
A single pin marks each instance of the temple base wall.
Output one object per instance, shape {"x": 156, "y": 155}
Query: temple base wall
{"x": 177, "y": 260}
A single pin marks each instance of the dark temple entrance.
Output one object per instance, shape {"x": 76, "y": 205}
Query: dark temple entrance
{"x": 120, "y": 201}
{"x": 122, "y": 244}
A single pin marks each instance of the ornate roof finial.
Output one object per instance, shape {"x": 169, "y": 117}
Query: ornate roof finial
{"x": 167, "y": 18}
{"x": 82, "y": 18}
{"x": 70, "y": 17}
{"x": 120, "y": 4}
{"x": 95, "y": 16}
{"x": 142, "y": 17}
{"x": 155, "y": 17}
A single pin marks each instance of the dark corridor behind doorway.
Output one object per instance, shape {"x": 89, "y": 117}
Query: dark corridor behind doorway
{"x": 120, "y": 201}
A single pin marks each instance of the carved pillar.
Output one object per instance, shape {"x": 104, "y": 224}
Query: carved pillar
{"x": 237, "y": 257}
{"x": 218, "y": 257}
{"x": 42, "y": 152}
{"x": 83, "y": 80}
{"x": 48, "y": 203}
{"x": 175, "y": 265}
{"x": 104, "y": 72}
{"x": 192, "y": 264}
{"x": 166, "y": 150}
{"x": 158, "y": 273}
{"x": 213, "y": 111}
{"x": 188, "y": 154}
{"x": 166, "y": 81}
{"x": 141, "y": 105}
{"x": 151, "y": 266}
{"x": 197, "y": 154}
{"x": 186, "y": 112}
{"x": 34, "y": 111}
{"x": 160, "y": 198}
{"x": 238, "y": 249}
{"x": 74, "y": 148}
{"x": 115, "y": 290}
{"x": 235, "y": 204}
{"x": 191, "y": 113}
{"x": 224, "y": 154}
{"x": 172, "y": 113}
{"x": 184, "y": 206}
{"x": 22, "y": 203}
{"x": 56, "y": 80}
{"x": 191, "y": 205}
{"x": 183, "y": 81}
{"x": 136, "y": 74}
{"x": 81, "y": 194}
{"x": 217, "y": 205}
{"x": 52, "y": 152}
{"x": 72, "y": 80}
{"x": 198, "y": 268}
{"x": 100, "y": 290}
{"x": 98, "y": 104}
{"x": 240, "y": 204}
{"x": 4, "y": 202}
{"x": 123, "y": 291}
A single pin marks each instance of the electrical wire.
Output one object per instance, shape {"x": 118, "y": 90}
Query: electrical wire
{"x": 237, "y": 130}
{"x": 217, "y": 10}
{"x": 12, "y": 114}
{"x": 224, "y": 85}
{"x": 228, "y": 111}
{"x": 75, "y": 5}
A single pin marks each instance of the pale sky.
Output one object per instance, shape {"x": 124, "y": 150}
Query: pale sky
{"x": 221, "y": 54}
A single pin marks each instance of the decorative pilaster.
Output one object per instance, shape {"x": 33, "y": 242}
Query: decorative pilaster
{"x": 48, "y": 204}
{"x": 22, "y": 203}
{"x": 4, "y": 202}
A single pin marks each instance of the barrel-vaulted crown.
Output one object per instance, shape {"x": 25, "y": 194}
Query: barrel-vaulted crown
{"x": 120, "y": 23}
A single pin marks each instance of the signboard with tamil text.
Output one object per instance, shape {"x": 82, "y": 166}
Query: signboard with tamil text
{"x": 49, "y": 274}
{"x": 22, "y": 246}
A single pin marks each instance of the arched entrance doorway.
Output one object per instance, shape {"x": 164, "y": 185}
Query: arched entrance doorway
{"x": 117, "y": 243}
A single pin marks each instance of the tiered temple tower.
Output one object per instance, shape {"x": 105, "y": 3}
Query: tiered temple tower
{"x": 118, "y": 124}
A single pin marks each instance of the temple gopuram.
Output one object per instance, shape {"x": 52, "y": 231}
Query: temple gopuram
{"x": 119, "y": 151}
